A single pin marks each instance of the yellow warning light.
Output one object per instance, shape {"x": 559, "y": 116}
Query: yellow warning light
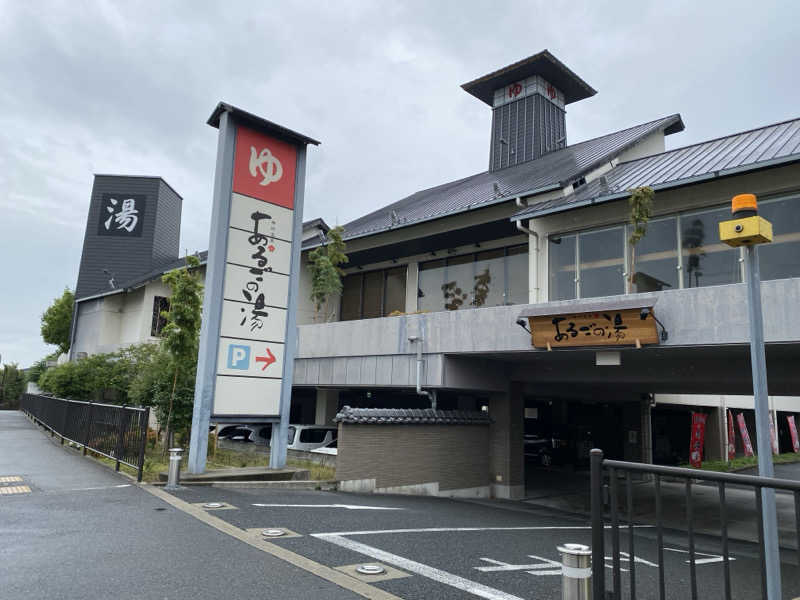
{"x": 742, "y": 204}
{"x": 748, "y": 228}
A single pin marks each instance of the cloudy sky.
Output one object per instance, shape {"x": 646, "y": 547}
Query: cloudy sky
{"x": 126, "y": 87}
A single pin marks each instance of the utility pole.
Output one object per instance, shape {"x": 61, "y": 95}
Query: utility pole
{"x": 749, "y": 230}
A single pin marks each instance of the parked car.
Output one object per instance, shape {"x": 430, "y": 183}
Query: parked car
{"x": 331, "y": 448}
{"x": 301, "y": 437}
{"x": 236, "y": 433}
{"x": 550, "y": 448}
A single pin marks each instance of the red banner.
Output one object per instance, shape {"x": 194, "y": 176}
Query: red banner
{"x": 748, "y": 447}
{"x": 773, "y": 436}
{"x": 793, "y": 432}
{"x": 697, "y": 440}
{"x": 731, "y": 438}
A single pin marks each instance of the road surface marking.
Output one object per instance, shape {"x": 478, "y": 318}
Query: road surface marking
{"x": 10, "y": 479}
{"x": 14, "y": 489}
{"x": 459, "y": 529}
{"x": 102, "y": 487}
{"x": 533, "y": 569}
{"x": 347, "y": 506}
{"x": 345, "y": 581}
{"x": 472, "y": 587}
{"x": 713, "y": 558}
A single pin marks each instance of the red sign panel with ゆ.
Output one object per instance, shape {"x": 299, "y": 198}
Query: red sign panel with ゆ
{"x": 264, "y": 168}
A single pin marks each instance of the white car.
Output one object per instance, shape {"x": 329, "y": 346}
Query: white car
{"x": 301, "y": 437}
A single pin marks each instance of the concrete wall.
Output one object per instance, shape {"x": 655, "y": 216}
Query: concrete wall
{"x": 441, "y": 460}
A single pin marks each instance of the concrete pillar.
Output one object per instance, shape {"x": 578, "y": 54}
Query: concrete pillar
{"x": 327, "y": 405}
{"x": 715, "y": 438}
{"x": 506, "y": 452}
{"x": 412, "y": 286}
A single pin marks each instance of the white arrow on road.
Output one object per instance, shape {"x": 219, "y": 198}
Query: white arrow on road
{"x": 346, "y": 506}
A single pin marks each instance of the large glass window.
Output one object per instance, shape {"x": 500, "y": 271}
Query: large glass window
{"x": 654, "y": 260}
{"x": 486, "y": 278}
{"x": 781, "y": 258}
{"x": 706, "y": 260}
{"x": 373, "y": 294}
{"x": 602, "y": 255}
{"x": 563, "y": 275}
{"x": 517, "y": 278}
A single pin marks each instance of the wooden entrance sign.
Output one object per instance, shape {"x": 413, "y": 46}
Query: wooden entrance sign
{"x": 624, "y": 327}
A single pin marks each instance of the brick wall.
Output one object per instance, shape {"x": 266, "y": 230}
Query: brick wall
{"x": 455, "y": 456}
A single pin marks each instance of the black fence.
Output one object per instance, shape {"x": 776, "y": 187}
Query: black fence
{"x": 116, "y": 432}
{"x": 607, "y": 474}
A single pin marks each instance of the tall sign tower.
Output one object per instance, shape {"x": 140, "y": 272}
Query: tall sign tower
{"x": 248, "y": 336}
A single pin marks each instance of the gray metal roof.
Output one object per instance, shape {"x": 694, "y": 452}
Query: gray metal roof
{"x": 544, "y": 64}
{"x": 258, "y": 122}
{"x": 410, "y": 416}
{"x": 551, "y": 171}
{"x": 759, "y": 148}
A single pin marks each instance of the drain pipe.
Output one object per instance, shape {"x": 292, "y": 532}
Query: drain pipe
{"x": 535, "y": 273}
{"x": 414, "y": 339}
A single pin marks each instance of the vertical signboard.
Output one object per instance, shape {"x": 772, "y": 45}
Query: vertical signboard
{"x": 793, "y": 433}
{"x": 731, "y": 437}
{"x": 248, "y": 335}
{"x": 748, "y": 445}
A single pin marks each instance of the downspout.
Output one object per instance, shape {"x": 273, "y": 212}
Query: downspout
{"x": 430, "y": 394}
{"x": 535, "y": 236}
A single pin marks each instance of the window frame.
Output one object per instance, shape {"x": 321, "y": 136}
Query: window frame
{"x": 361, "y": 275}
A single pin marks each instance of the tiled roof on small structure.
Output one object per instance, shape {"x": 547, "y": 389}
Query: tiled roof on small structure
{"x": 410, "y": 416}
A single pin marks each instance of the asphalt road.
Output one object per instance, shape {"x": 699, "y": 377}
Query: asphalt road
{"x": 78, "y": 535}
{"x": 457, "y": 549}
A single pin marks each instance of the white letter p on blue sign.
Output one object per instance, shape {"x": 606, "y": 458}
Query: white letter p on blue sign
{"x": 238, "y": 357}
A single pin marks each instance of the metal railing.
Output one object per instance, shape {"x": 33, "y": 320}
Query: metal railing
{"x": 116, "y": 432}
{"x": 611, "y": 470}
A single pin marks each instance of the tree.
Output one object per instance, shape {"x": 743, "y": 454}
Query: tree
{"x": 12, "y": 385}
{"x": 641, "y": 205}
{"x": 57, "y": 321}
{"x": 180, "y": 340}
{"x": 326, "y": 272}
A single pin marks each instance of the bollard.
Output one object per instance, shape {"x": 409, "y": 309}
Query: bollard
{"x": 174, "y": 473}
{"x": 576, "y": 572}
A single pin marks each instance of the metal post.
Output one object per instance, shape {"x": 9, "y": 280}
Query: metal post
{"x": 277, "y": 455}
{"x": 765, "y": 469}
{"x": 598, "y": 526}
{"x": 576, "y": 572}
{"x": 143, "y": 446}
{"x": 90, "y": 421}
{"x": 212, "y": 299}
{"x": 121, "y": 430}
{"x": 174, "y": 473}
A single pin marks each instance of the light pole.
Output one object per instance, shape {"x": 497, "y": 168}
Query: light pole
{"x": 749, "y": 230}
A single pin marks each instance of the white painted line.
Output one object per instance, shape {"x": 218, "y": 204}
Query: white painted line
{"x": 412, "y": 566}
{"x": 457, "y": 529}
{"x": 102, "y": 487}
{"x": 713, "y": 558}
{"x": 346, "y": 506}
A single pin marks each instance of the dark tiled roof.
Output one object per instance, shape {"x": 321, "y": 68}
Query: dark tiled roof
{"x": 740, "y": 152}
{"x": 551, "y": 171}
{"x": 410, "y": 416}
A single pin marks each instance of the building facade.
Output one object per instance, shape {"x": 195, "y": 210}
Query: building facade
{"x": 438, "y": 284}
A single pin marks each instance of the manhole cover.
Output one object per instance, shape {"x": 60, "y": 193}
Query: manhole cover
{"x": 370, "y": 569}
{"x": 213, "y": 505}
{"x": 272, "y": 532}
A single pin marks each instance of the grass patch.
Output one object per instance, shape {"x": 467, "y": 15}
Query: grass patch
{"x": 155, "y": 462}
{"x": 743, "y": 462}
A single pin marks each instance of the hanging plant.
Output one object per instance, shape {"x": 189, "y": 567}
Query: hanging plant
{"x": 641, "y": 205}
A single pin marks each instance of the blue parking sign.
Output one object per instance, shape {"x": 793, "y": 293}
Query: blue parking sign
{"x": 238, "y": 357}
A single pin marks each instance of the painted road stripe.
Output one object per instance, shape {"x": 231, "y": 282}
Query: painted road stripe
{"x": 10, "y": 479}
{"x": 347, "y": 506}
{"x": 14, "y": 489}
{"x": 472, "y": 587}
{"x": 457, "y": 529}
{"x": 103, "y": 487}
{"x": 361, "y": 588}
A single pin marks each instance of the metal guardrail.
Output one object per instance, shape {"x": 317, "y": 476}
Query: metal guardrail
{"x": 116, "y": 432}
{"x": 612, "y": 469}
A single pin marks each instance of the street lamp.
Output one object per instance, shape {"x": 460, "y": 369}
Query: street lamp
{"x": 749, "y": 230}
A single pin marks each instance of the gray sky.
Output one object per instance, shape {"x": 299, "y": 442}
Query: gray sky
{"x": 126, "y": 87}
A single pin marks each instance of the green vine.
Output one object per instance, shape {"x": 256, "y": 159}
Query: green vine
{"x": 641, "y": 204}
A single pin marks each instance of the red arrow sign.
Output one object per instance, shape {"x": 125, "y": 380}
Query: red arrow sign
{"x": 267, "y": 360}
